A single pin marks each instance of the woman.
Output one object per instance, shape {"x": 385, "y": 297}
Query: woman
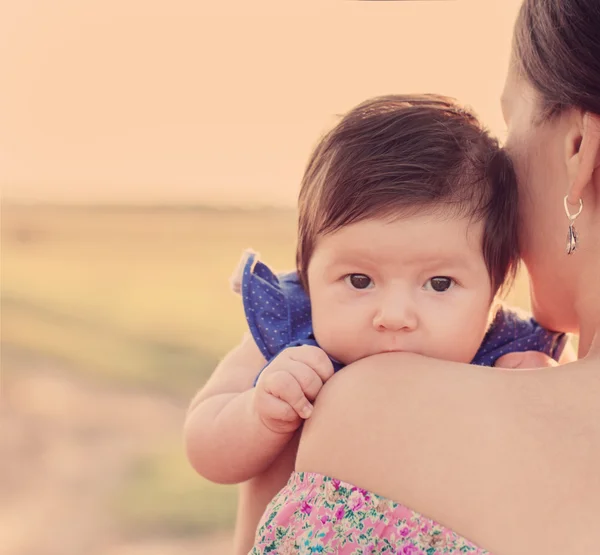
{"x": 502, "y": 462}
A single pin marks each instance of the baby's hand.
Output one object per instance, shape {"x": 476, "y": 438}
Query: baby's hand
{"x": 287, "y": 387}
{"x": 526, "y": 359}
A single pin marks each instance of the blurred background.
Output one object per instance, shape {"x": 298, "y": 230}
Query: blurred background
{"x": 143, "y": 145}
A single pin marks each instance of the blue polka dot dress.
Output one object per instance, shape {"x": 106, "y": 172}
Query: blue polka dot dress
{"x": 278, "y": 313}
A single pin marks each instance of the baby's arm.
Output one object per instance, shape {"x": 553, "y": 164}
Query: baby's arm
{"x": 256, "y": 494}
{"x": 234, "y": 431}
{"x": 225, "y": 440}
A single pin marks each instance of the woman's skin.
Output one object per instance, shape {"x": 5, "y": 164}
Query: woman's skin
{"x": 509, "y": 459}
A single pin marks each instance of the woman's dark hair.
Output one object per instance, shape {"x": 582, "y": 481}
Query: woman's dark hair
{"x": 557, "y": 46}
{"x": 395, "y": 155}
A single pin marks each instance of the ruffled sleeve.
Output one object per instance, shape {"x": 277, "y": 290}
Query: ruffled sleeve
{"x": 511, "y": 332}
{"x": 276, "y": 307}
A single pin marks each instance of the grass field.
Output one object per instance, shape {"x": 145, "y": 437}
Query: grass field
{"x": 140, "y": 299}
{"x": 137, "y": 299}
{"x": 136, "y": 296}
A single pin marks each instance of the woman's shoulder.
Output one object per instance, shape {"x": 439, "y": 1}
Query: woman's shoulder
{"x": 431, "y": 418}
{"x": 383, "y": 402}
{"x": 446, "y": 439}
{"x": 389, "y": 402}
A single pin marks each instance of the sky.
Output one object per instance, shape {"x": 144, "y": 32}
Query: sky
{"x": 179, "y": 101}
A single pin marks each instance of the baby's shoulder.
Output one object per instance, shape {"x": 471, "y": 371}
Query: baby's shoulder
{"x": 516, "y": 330}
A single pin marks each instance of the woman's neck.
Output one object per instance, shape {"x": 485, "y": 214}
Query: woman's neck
{"x": 589, "y": 323}
{"x": 589, "y": 343}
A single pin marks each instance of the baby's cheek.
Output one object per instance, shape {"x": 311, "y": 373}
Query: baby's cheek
{"x": 463, "y": 339}
{"x": 322, "y": 323}
{"x": 466, "y": 351}
{"x": 334, "y": 334}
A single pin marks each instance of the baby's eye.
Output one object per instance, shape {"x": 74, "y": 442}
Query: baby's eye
{"x": 358, "y": 281}
{"x": 439, "y": 284}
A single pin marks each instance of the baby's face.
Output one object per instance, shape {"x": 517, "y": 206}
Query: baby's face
{"x": 417, "y": 284}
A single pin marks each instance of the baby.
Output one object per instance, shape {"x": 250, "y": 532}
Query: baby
{"x": 407, "y": 232}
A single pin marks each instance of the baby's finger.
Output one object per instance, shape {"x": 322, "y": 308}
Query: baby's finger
{"x": 275, "y": 409}
{"x": 314, "y": 357}
{"x": 310, "y": 382}
{"x": 284, "y": 386}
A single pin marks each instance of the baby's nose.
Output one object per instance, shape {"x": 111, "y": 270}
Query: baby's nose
{"x": 396, "y": 315}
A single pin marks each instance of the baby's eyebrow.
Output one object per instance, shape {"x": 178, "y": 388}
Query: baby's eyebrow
{"x": 433, "y": 261}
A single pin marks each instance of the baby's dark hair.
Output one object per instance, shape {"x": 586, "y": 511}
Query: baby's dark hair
{"x": 395, "y": 155}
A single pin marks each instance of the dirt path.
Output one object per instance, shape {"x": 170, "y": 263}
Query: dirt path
{"x": 64, "y": 447}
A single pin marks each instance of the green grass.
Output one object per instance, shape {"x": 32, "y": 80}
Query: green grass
{"x": 138, "y": 299}
{"x": 132, "y": 296}
{"x": 162, "y": 496}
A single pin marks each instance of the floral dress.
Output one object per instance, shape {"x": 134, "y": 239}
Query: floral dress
{"x": 319, "y": 514}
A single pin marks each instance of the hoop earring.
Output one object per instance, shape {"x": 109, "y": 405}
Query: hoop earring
{"x": 572, "y": 236}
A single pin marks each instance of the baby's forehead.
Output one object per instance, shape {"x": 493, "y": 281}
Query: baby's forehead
{"x": 420, "y": 240}
{"x": 422, "y": 261}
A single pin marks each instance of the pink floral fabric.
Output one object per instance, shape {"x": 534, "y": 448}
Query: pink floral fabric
{"x": 318, "y": 514}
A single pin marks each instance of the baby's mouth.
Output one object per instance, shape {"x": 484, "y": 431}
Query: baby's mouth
{"x": 393, "y": 350}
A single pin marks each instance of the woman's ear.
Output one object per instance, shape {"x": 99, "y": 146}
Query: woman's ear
{"x": 582, "y": 154}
